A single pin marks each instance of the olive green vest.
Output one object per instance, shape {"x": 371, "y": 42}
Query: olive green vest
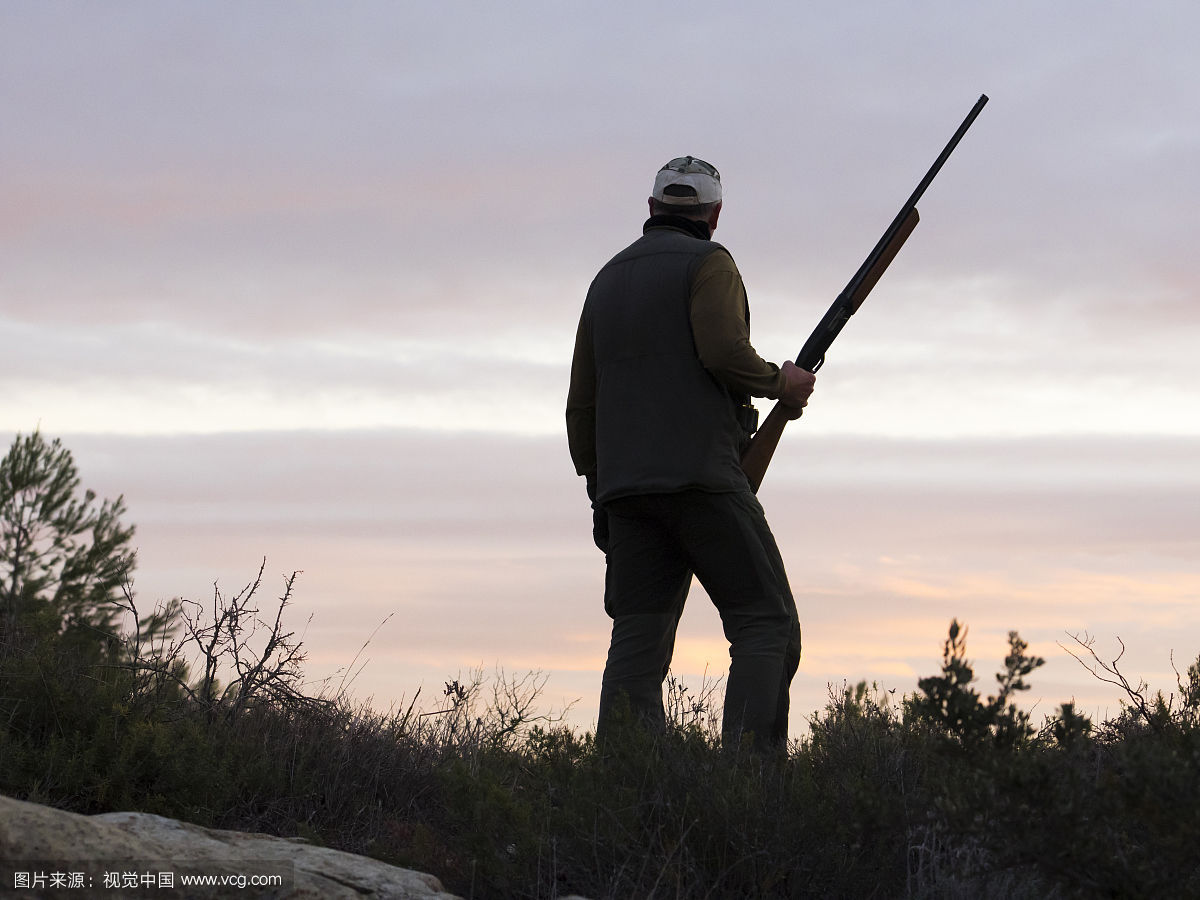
{"x": 663, "y": 423}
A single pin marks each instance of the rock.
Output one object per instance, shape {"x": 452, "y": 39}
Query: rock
{"x": 48, "y": 848}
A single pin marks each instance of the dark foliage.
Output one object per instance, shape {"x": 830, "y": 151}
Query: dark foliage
{"x": 201, "y": 714}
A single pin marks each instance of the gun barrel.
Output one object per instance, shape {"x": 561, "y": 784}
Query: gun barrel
{"x": 898, "y": 223}
{"x": 945, "y": 154}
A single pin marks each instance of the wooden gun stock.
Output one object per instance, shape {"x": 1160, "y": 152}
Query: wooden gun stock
{"x": 880, "y": 262}
{"x": 758, "y": 453}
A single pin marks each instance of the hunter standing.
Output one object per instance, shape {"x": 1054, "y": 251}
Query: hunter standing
{"x": 658, "y": 413}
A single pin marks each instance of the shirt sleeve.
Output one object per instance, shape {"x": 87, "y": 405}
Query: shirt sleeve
{"x": 721, "y": 330}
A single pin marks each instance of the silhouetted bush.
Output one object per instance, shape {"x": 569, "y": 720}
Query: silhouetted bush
{"x": 202, "y": 714}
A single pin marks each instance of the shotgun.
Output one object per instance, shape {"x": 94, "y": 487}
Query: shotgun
{"x": 758, "y": 453}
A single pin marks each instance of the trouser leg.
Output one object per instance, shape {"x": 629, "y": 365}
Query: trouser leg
{"x": 639, "y": 658}
{"x": 735, "y": 557}
{"x": 757, "y": 697}
{"x": 646, "y": 586}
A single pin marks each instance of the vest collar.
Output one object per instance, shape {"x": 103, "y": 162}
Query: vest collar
{"x": 694, "y": 227}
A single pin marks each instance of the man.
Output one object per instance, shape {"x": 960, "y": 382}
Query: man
{"x": 658, "y": 413}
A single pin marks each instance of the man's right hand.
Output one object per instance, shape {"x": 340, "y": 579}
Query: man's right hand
{"x": 600, "y": 529}
{"x": 799, "y": 387}
{"x": 599, "y": 517}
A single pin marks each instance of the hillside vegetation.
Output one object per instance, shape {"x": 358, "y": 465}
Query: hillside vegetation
{"x": 201, "y": 712}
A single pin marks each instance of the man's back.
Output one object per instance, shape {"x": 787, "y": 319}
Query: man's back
{"x": 663, "y": 423}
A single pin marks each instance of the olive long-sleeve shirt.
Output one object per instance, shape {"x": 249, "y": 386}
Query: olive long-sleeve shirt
{"x": 721, "y": 331}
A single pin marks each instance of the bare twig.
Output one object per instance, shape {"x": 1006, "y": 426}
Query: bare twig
{"x": 1110, "y": 673}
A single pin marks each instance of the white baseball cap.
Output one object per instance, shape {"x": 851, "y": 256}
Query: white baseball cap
{"x": 693, "y": 181}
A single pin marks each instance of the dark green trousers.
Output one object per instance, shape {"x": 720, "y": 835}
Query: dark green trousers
{"x": 656, "y": 543}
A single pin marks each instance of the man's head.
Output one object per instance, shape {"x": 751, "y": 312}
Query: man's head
{"x": 687, "y": 186}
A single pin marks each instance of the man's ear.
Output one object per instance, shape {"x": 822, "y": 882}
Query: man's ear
{"x": 712, "y": 220}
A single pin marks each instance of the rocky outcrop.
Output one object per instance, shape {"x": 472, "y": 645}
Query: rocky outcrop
{"x": 51, "y": 853}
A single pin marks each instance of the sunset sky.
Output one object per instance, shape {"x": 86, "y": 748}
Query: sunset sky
{"x": 300, "y": 280}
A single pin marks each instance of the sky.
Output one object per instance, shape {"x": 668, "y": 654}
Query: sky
{"x": 300, "y": 282}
